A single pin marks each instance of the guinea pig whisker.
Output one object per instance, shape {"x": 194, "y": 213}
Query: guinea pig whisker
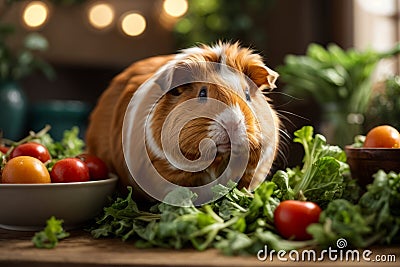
{"x": 285, "y": 118}
{"x": 264, "y": 92}
{"x": 287, "y": 103}
{"x": 283, "y": 147}
{"x": 281, "y": 158}
{"x": 283, "y": 133}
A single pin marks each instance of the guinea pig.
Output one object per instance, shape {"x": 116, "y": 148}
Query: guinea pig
{"x": 187, "y": 117}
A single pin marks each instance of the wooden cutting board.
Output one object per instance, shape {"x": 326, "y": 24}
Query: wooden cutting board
{"x": 80, "y": 249}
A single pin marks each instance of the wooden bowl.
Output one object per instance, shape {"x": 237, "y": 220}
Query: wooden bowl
{"x": 365, "y": 162}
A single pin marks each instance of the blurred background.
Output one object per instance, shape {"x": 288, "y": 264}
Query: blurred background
{"x": 57, "y": 76}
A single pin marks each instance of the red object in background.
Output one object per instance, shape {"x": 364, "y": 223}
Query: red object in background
{"x": 4, "y": 149}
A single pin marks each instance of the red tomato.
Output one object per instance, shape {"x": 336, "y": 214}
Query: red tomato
{"x": 31, "y": 149}
{"x": 69, "y": 170}
{"x": 383, "y": 136}
{"x": 97, "y": 168}
{"x": 4, "y": 149}
{"x": 292, "y": 217}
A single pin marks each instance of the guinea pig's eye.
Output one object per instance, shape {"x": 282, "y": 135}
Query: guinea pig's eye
{"x": 177, "y": 91}
{"x": 247, "y": 93}
{"x": 203, "y": 92}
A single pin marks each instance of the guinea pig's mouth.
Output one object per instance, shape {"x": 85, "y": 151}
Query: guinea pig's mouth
{"x": 234, "y": 148}
{"x": 223, "y": 148}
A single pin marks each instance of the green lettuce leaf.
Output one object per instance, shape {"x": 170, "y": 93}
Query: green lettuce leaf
{"x": 322, "y": 176}
{"x": 50, "y": 236}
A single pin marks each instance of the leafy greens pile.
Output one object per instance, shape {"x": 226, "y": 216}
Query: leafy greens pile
{"x": 375, "y": 218}
{"x": 242, "y": 221}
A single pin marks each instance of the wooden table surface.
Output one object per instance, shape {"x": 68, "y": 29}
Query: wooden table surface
{"x": 80, "y": 249}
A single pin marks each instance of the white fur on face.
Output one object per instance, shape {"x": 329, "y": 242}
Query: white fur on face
{"x": 232, "y": 78}
{"x": 229, "y": 127}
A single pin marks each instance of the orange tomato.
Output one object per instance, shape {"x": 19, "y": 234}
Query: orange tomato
{"x": 25, "y": 170}
{"x": 383, "y": 136}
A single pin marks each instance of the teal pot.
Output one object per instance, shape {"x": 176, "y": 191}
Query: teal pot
{"x": 13, "y": 110}
{"x": 61, "y": 115}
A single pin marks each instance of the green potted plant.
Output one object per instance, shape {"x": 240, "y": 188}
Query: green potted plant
{"x": 384, "y": 107}
{"x": 15, "y": 64}
{"x": 339, "y": 80}
{"x": 209, "y": 21}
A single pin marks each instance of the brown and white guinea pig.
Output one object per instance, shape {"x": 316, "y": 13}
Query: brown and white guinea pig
{"x": 212, "y": 93}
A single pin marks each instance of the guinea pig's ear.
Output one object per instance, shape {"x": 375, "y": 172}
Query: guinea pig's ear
{"x": 174, "y": 76}
{"x": 262, "y": 76}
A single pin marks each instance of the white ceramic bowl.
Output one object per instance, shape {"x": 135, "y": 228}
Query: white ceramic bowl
{"x": 26, "y": 207}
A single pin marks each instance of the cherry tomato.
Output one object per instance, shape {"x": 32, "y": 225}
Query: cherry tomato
{"x": 4, "y": 149}
{"x": 383, "y": 136}
{"x": 292, "y": 217}
{"x": 25, "y": 170}
{"x": 31, "y": 149}
{"x": 69, "y": 170}
{"x": 97, "y": 168}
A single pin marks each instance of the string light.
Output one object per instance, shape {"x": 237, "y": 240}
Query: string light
{"x": 175, "y": 8}
{"x": 35, "y": 14}
{"x": 133, "y": 24}
{"x": 101, "y": 15}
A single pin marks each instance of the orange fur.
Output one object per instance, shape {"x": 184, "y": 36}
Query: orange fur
{"x": 103, "y": 136}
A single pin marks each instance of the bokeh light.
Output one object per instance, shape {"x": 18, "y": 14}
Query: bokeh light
{"x": 175, "y": 8}
{"x": 101, "y": 15}
{"x": 35, "y": 14}
{"x": 133, "y": 24}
